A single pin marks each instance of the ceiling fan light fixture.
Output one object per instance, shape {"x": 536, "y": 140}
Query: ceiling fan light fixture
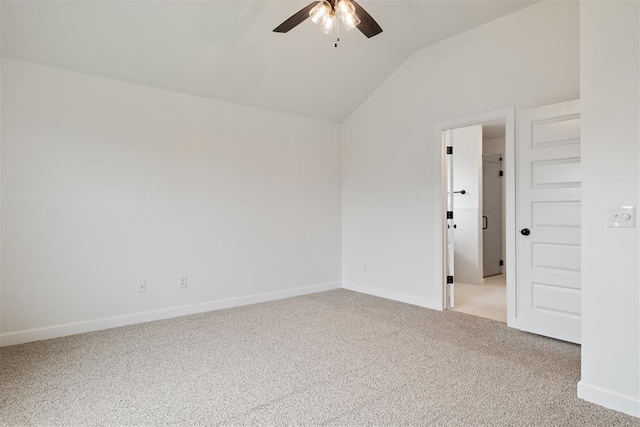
{"x": 328, "y": 23}
{"x": 350, "y": 21}
{"x": 320, "y": 12}
{"x": 325, "y": 14}
{"x": 347, "y": 13}
{"x": 344, "y": 8}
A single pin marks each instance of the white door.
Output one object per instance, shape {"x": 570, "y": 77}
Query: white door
{"x": 450, "y": 292}
{"x": 491, "y": 214}
{"x": 548, "y": 244}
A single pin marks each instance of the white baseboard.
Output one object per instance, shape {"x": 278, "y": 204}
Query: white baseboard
{"x": 20, "y": 337}
{"x": 609, "y": 399}
{"x": 395, "y": 296}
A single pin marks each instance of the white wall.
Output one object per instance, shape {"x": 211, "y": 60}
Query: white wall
{"x": 106, "y": 183}
{"x": 493, "y": 145}
{"x": 610, "y": 86}
{"x": 391, "y": 164}
{"x": 467, "y": 175}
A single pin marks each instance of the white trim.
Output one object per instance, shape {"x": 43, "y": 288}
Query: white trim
{"x": 609, "y": 399}
{"x": 20, "y": 337}
{"x": 508, "y": 116}
{"x": 433, "y": 304}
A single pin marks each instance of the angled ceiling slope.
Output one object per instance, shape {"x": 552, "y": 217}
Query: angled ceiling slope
{"x": 225, "y": 50}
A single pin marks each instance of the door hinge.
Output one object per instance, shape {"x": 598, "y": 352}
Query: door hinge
{"x": 449, "y": 214}
{"x": 501, "y": 262}
{"x": 449, "y": 150}
{"x": 449, "y": 279}
{"x": 501, "y": 173}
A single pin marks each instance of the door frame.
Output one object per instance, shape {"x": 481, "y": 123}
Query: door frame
{"x": 508, "y": 116}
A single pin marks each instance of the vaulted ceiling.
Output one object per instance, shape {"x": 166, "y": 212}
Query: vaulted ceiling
{"x": 225, "y": 50}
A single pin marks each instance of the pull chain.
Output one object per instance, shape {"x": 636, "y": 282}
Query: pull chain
{"x": 337, "y": 31}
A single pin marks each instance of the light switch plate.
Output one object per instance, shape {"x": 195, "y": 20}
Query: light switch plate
{"x": 622, "y": 216}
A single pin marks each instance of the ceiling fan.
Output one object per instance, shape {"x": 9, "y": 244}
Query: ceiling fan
{"x": 324, "y": 13}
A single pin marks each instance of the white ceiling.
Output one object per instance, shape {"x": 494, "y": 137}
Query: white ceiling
{"x": 226, "y": 50}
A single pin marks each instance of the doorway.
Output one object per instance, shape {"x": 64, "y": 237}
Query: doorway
{"x": 476, "y": 182}
{"x": 478, "y": 215}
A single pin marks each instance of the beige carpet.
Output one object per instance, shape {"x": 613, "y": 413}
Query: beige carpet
{"x": 337, "y": 357}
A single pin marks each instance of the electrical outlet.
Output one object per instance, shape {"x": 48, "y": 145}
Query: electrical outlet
{"x": 364, "y": 267}
{"x": 183, "y": 281}
{"x": 142, "y": 286}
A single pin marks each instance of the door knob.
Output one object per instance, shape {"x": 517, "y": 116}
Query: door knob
{"x": 525, "y": 231}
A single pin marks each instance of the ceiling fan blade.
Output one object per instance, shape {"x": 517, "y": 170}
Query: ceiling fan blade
{"x": 369, "y": 27}
{"x": 295, "y": 19}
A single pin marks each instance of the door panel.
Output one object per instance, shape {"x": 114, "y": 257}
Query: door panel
{"x": 560, "y": 173}
{"x": 553, "y": 214}
{"x": 556, "y": 131}
{"x": 548, "y": 289}
{"x": 556, "y": 256}
{"x": 556, "y": 299}
{"x": 492, "y": 213}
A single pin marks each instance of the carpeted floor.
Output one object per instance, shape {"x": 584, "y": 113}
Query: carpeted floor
{"x": 337, "y": 357}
